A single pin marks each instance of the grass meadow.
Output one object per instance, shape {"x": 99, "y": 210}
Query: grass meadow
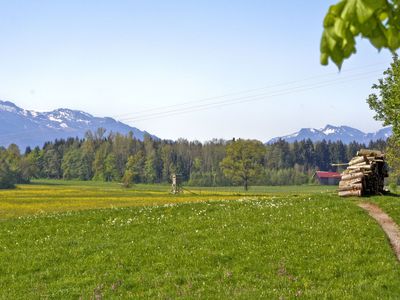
{"x": 88, "y": 240}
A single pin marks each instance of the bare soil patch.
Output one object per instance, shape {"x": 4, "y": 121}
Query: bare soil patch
{"x": 386, "y": 222}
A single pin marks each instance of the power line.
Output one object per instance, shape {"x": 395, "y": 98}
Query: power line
{"x": 227, "y": 104}
{"x": 249, "y": 98}
{"x": 245, "y": 91}
{"x": 233, "y": 101}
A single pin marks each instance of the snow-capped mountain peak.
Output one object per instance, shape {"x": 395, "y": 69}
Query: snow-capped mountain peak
{"x": 31, "y": 128}
{"x": 7, "y": 106}
{"x": 329, "y": 129}
{"x": 346, "y": 134}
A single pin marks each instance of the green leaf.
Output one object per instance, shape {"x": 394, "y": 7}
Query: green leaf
{"x": 340, "y": 28}
{"x": 324, "y": 59}
{"x": 329, "y": 20}
{"x": 349, "y": 45}
{"x": 324, "y": 44}
{"x": 364, "y": 11}
{"x": 378, "y": 38}
{"x": 350, "y": 18}
{"x": 330, "y": 39}
{"x": 337, "y": 57}
{"x": 368, "y": 27}
{"x": 378, "y": 42}
{"x": 337, "y": 8}
{"x": 375, "y": 4}
{"x": 349, "y": 9}
{"x": 383, "y": 16}
{"x": 393, "y": 38}
{"x": 354, "y": 30}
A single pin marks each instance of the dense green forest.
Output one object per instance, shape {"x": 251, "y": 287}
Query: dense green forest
{"x": 115, "y": 157}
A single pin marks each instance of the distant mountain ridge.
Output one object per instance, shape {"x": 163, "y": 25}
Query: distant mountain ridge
{"x": 332, "y": 133}
{"x": 31, "y": 128}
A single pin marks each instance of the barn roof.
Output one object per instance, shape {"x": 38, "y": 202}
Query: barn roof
{"x": 323, "y": 174}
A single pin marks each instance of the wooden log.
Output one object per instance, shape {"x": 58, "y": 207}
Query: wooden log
{"x": 353, "y": 176}
{"x": 365, "y": 174}
{"x": 357, "y": 160}
{"x": 349, "y": 182}
{"x": 356, "y": 171}
{"x": 352, "y": 187}
{"x": 359, "y": 167}
{"x": 366, "y": 152}
{"x": 350, "y": 193}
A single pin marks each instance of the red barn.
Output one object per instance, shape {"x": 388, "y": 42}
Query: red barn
{"x": 327, "y": 178}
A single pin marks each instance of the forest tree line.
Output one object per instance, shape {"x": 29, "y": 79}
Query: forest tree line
{"x": 123, "y": 158}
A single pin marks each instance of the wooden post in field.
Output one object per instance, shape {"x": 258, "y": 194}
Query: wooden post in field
{"x": 175, "y": 188}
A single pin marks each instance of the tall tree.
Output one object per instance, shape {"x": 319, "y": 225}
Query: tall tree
{"x": 99, "y": 160}
{"x": 52, "y": 163}
{"x": 322, "y": 156}
{"x": 110, "y": 168}
{"x": 134, "y": 169}
{"x": 7, "y": 177}
{"x": 386, "y": 104}
{"x": 244, "y": 161}
{"x": 71, "y": 164}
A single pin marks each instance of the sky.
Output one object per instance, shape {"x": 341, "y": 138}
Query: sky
{"x": 192, "y": 69}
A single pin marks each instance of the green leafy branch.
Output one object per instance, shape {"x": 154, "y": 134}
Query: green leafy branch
{"x": 376, "y": 20}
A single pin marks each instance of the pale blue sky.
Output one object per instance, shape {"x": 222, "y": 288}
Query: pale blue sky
{"x": 122, "y": 57}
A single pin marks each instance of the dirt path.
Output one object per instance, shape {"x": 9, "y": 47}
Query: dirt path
{"x": 388, "y": 225}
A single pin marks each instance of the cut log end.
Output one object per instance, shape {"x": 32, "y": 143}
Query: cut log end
{"x": 357, "y": 193}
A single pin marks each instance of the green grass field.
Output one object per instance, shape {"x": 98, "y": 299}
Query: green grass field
{"x": 71, "y": 240}
{"x": 57, "y": 196}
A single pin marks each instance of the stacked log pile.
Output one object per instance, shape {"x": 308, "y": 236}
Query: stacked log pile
{"x": 364, "y": 175}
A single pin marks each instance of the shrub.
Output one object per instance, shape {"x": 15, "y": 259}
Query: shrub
{"x": 7, "y": 177}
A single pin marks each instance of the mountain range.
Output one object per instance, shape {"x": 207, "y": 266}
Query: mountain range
{"x": 345, "y": 134}
{"x": 31, "y": 128}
